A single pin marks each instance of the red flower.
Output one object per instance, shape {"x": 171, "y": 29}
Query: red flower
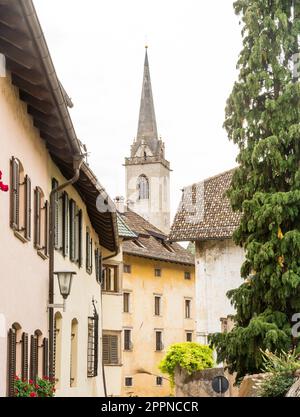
{"x": 16, "y": 376}
{"x": 32, "y": 394}
{"x": 2, "y": 186}
{"x": 45, "y": 378}
{"x": 31, "y": 381}
{"x": 37, "y": 387}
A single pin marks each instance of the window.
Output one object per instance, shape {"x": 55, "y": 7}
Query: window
{"x": 127, "y": 340}
{"x": 126, "y": 302}
{"x": 57, "y": 346}
{"x": 158, "y": 341}
{"x": 187, "y": 308}
{"x": 98, "y": 265}
{"x": 127, "y": 269}
{"x": 159, "y": 381}
{"x": 35, "y": 344}
{"x": 92, "y": 357}
{"x": 128, "y": 381}
{"x": 187, "y": 275}
{"x": 13, "y": 360}
{"x": 111, "y": 348}
{"x": 41, "y": 222}
{"x": 143, "y": 187}
{"x": 65, "y": 223}
{"x": 72, "y": 228}
{"x": 189, "y": 336}
{"x": 157, "y": 272}
{"x": 89, "y": 251}
{"x": 73, "y": 353}
{"x": 157, "y": 305}
{"x": 110, "y": 277}
{"x": 20, "y": 201}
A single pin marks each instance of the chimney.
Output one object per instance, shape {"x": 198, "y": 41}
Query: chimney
{"x": 120, "y": 205}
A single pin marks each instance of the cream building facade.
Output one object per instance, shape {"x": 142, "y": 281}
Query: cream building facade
{"x": 39, "y": 146}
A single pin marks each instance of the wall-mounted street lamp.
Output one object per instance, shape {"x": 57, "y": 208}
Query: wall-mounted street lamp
{"x": 65, "y": 279}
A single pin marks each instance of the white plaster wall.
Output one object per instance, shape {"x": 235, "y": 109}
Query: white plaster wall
{"x": 23, "y": 274}
{"x": 218, "y": 266}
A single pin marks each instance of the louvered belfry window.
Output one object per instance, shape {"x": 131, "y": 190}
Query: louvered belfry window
{"x": 92, "y": 354}
{"x": 110, "y": 349}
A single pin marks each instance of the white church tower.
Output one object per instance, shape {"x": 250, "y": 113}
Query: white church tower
{"x": 147, "y": 170}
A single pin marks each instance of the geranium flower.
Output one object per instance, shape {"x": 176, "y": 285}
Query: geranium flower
{"x": 2, "y": 186}
{"x": 32, "y": 394}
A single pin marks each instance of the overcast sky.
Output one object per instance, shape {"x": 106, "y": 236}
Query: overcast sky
{"x": 98, "y": 50}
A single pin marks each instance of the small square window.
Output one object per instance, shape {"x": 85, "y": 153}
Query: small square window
{"x": 187, "y": 275}
{"x": 127, "y": 269}
{"x": 128, "y": 381}
{"x": 159, "y": 381}
{"x": 189, "y": 336}
{"x": 157, "y": 272}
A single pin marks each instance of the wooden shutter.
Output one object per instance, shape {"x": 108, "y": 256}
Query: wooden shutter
{"x": 11, "y": 359}
{"x": 27, "y": 208}
{"x": 56, "y": 214}
{"x": 33, "y": 357}
{"x": 72, "y": 207}
{"x": 25, "y": 356}
{"x": 105, "y": 349}
{"x": 37, "y": 218}
{"x": 114, "y": 349}
{"x": 15, "y": 194}
{"x": 80, "y": 238}
{"x": 45, "y": 357}
{"x": 89, "y": 251}
{"x": 65, "y": 224}
{"x": 96, "y": 345}
{"x": 46, "y": 229}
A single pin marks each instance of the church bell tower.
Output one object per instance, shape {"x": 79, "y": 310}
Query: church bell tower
{"x": 147, "y": 170}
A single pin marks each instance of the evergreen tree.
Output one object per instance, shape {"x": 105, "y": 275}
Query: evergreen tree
{"x": 263, "y": 119}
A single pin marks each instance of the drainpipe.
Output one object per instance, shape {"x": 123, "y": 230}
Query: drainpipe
{"x": 77, "y": 162}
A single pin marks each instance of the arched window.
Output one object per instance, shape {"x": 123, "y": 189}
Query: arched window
{"x": 17, "y": 356}
{"x": 57, "y": 346}
{"x": 73, "y": 353}
{"x": 143, "y": 187}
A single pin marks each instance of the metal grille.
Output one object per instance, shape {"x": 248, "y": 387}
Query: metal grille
{"x": 92, "y": 354}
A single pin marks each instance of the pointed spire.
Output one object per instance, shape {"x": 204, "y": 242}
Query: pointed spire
{"x": 147, "y": 128}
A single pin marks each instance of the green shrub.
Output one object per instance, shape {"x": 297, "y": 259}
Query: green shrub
{"x": 281, "y": 369}
{"x": 189, "y": 356}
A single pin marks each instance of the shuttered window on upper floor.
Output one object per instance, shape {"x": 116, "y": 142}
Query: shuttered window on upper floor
{"x": 98, "y": 266}
{"x": 111, "y": 349}
{"x": 41, "y": 223}
{"x": 89, "y": 251}
{"x": 20, "y": 201}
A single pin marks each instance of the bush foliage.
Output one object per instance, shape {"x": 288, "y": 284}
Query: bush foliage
{"x": 189, "y": 356}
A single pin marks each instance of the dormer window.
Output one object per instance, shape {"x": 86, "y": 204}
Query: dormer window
{"x": 143, "y": 187}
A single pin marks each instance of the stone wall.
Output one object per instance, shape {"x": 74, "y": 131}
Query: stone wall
{"x": 199, "y": 384}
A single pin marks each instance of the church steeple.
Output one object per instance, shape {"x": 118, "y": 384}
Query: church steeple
{"x": 147, "y": 128}
{"x": 147, "y": 170}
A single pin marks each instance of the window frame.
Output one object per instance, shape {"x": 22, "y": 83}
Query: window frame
{"x": 127, "y": 347}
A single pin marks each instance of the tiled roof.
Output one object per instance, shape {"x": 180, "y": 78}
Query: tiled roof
{"x": 205, "y": 211}
{"x": 123, "y": 229}
{"x": 151, "y": 242}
